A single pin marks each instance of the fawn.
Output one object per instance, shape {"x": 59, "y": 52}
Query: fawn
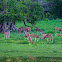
{"x": 7, "y": 34}
{"x": 48, "y": 36}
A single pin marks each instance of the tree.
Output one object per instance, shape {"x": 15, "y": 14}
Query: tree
{"x": 15, "y": 10}
{"x": 56, "y": 8}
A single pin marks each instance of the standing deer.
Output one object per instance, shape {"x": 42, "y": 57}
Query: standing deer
{"x": 7, "y": 34}
{"x": 58, "y": 29}
{"x": 32, "y": 36}
{"x": 48, "y": 36}
{"x": 28, "y": 38}
{"x": 57, "y": 34}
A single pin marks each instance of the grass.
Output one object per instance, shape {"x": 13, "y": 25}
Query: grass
{"x": 38, "y": 50}
{"x": 17, "y": 46}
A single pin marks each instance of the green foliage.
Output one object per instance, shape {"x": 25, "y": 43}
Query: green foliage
{"x": 56, "y": 10}
{"x": 17, "y": 10}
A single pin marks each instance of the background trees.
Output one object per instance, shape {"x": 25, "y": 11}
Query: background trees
{"x": 27, "y": 10}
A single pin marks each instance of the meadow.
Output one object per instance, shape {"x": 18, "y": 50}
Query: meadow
{"x": 17, "y": 47}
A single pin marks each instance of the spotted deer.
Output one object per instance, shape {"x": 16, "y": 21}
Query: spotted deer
{"x": 29, "y": 40}
{"x": 58, "y": 29}
{"x": 48, "y": 36}
{"x": 32, "y": 36}
{"x": 22, "y": 29}
{"x": 28, "y": 29}
{"x": 7, "y": 34}
{"x": 57, "y": 34}
{"x": 43, "y": 34}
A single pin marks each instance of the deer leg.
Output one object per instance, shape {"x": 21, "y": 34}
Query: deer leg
{"x": 31, "y": 38}
{"x": 50, "y": 39}
{"x": 47, "y": 39}
{"x": 29, "y": 42}
{"x": 35, "y": 39}
{"x": 9, "y": 36}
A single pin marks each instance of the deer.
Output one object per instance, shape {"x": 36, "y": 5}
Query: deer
{"x": 7, "y": 34}
{"x": 43, "y": 34}
{"x": 58, "y": 29}
{"x": 32, "y": 36}
{"x": 38, "y": 30}
{"x": 29, "y": 29}
{"x": 22, "y": 29}
{"x": 29, "y": 39}
{"x": 57, "y": 34}
{"x": 48, "y": 36}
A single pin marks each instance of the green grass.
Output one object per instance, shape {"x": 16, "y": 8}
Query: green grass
{"x": 36, "y": 50}
{"x": 17, "y": 46}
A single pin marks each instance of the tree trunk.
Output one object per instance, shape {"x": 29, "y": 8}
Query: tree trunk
{"x": 5, "y": 26}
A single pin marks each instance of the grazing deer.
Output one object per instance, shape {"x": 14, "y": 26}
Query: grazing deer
{"x": 38, "y": 30}
{"x": 58, "y": 29}
{"x": 7, "y": 34}
{"x": 29, "y": 29}
{"x": 48, "y": 36}
{"x": 32, "y": 36}
{"x": 57, "y": 34}
{"x": 22, "y": 29}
